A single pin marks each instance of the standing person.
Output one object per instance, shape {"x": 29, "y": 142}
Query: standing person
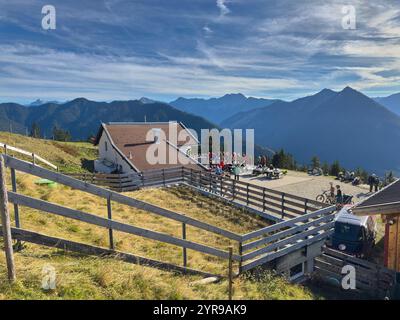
{"x": 376, "y": 183}
{"x": 339, "y": 195}
{"x": 371, "y": 180}
{"x": 236, "y": 171}
{"x": 263, "y": 161}
{"x": 332, "y": 190}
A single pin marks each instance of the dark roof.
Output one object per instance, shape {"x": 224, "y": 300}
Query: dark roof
{"x": 129, "y": 140}
{"x": 385, "y": 201}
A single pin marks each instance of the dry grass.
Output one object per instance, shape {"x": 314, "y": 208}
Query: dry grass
{"x": 80, "y": 277}
{"x": 83, "y": 277}
{"x": 68, "y": 156}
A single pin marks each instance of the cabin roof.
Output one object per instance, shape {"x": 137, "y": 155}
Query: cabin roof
{"x": 385, "y": 201}
{"x": 129, "y": 140}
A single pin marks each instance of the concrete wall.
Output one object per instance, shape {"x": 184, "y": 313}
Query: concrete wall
{"x": 305, "y": 255}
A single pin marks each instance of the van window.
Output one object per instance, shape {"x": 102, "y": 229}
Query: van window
{"x": 348, "y": 232}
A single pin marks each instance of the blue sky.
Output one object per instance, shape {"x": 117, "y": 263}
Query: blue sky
{"x": 119, "y": 49}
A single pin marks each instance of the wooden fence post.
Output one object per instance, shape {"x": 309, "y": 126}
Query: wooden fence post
{"x": 6, "y": 224}
{"x": 14, "y": 189}
{"x": 247, "y": 194}
{"x": 110, "y": 231}
{"x": 163, "y": 177}
{"x": 305, "y": 206}
{"x": 283, "y": 205}
{"x": 263, "y": 199}
{"x": 230, "y": 274}
{"x": 184, "y": 252}
{"x": 33, "y": 159}
{"x": 240, "y": 254}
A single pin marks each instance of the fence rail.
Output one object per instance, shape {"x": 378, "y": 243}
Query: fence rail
{"x": 254, "y": 248}
{"x": 371, "y": 279}
{"x": 278, "y": 204}
{"x": 35, "y": 157}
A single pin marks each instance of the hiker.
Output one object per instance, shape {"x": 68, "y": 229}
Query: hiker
{"x": 371, "y": 181}
{"x": 263, "y": 161}
{"x": 332, "y": 190}
{"x": 236, "y": 171}
{"x": 376, "y": 183}
{"x": 339, "y": 195}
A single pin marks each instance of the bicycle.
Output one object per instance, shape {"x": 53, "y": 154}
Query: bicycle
{"x": 326, "y": 197}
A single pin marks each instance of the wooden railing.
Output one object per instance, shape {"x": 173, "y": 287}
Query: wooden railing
{"x": 371, "y": 279}
{"x": 35, "y": 157}
{"x": 254, "y": 248}
{"x": 266, "y": 244}
{"x": 280, "y": 205}
{"x": 108, "y": 222}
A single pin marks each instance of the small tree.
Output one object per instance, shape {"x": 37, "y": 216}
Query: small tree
{"x": 335, "y": 169}
{"x": 315, "y": 162}
{"x": 60, "y": 134}
{"x": 35, "y": 131}
{"x": 325, "y": 168}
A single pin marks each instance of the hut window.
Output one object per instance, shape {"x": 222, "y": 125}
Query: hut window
{"x": 105, "y": 145}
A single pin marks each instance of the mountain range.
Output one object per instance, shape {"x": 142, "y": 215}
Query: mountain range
{"x": 218, "y": 109}
{"x": 82, "y": 117}
{"x": 391, "y": 102}
{"x": 346, "y": 126}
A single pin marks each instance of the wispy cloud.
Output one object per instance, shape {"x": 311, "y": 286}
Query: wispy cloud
{"x": 224, "y": 10}
{"x": 126, "y": 49}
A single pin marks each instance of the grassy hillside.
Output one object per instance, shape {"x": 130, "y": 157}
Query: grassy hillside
{"x": 84, "y": 277}
{"x": 68, "y": 156}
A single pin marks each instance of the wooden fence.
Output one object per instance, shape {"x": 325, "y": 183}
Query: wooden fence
{"x": 279, "y": 205}
{"x": 254, "y": 248}
{"x": 35, "y": 157}
{"x": 371, "y": 279}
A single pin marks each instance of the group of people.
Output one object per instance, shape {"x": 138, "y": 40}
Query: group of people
{"x": 373, "y": 182}
{"x": 339, "y": 195}
{"x": 227, "y": 157}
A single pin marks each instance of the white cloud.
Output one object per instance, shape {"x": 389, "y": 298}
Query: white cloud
{"x": 64, "y": 76}
{"x": 224, "y": 10}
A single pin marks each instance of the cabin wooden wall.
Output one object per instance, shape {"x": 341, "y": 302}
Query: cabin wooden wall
{"x": 392, "y": 242}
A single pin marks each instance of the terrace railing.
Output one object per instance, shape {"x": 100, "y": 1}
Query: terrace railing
{"x": 279, "y": 205}
{"x": 254, "y": 248}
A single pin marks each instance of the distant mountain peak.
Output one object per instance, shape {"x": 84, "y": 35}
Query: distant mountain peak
{"x": 234, "y": 95}
{"x": 349, "y": 89}
{"x": 39, "y": 102}
{"x": 145, "y": 100}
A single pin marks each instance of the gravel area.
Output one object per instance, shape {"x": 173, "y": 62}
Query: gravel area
{"x": 304, "y": 185}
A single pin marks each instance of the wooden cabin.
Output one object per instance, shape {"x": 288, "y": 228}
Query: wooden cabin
{"x": 123, "y": 146}
{"x": 386, "y": 203}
